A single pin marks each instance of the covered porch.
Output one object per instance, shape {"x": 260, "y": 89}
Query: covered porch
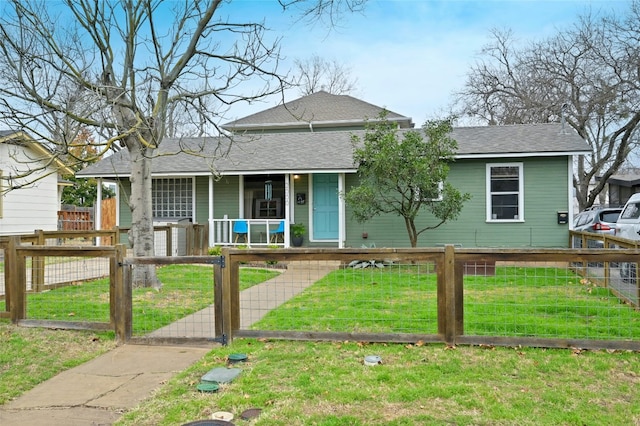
{"x": 249, "y": 232}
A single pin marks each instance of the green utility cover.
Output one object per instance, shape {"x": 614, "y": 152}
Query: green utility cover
{"x": 207, "y": 387}
{"x": 221, "y": 375}
{"x": 237, "y": 358}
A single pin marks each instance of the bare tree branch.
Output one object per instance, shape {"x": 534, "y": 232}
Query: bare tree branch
{"x": 123, "y": 68}
{"x": 585, "y": 76}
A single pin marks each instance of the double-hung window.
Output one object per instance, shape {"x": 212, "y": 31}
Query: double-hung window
{"x": 505, "y": 192}
{"x": 172, "y": 198}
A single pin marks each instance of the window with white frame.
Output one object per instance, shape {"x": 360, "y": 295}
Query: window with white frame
{"x": 172, "y": 198}
{"x": 505, "y": 194}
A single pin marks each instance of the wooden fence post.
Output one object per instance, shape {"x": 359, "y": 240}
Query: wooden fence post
{"x": 121, "y": 300}
{"x": 169, "y": 240}
{"x": 217, "y": 301}
{"x": 205, "y": 239}
{"x": 449, "y": 322}
{"x": 17, "y": 280}
{"x": 226, "y": 302}
{"x": 189, "y": 240}
{"x": 37, "y": 265}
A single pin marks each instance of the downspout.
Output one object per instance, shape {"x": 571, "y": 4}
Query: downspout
{"x": 311, "y": 126}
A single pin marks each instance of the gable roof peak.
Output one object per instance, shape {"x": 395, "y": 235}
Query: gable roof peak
{"x": 319, "y": 109}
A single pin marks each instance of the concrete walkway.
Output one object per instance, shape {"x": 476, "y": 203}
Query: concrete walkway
{"x": 101, "y": 390}
{"x": 255, "y": 302}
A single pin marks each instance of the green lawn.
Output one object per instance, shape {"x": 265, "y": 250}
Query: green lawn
{"x": 516, "y": 301}
{"x": 185, "y": 289}
{"x": 29, "y": 356}
{"x": 326, "y": 383}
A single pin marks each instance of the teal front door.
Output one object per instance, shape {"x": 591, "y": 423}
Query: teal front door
{"x": 325, "y": 206}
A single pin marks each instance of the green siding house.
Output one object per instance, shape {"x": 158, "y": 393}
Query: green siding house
{"x": 289, "y": 164}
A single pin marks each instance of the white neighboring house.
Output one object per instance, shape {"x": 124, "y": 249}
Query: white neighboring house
{"x": 31, "y": 202}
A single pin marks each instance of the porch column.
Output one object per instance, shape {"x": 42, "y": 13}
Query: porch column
{"x": 97, "y": 211}
{"x": 341, "y": 211}
{"x": 97, "y": 225}
{"x": 241, "y": 197}
{"x": 287, "y": 208}
{"x": 210, "y": 213}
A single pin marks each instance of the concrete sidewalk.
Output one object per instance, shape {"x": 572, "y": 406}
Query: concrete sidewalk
{"x": 101, "y": 390}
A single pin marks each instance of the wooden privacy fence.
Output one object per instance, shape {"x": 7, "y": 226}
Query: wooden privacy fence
{"x": 75, "y": 220}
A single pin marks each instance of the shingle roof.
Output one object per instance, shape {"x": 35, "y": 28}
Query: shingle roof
{"x": 330, "y": 151}
{"x": 320, "y": 109}
{"x": 515, "y": 139}
{"x": 628, "y": 180}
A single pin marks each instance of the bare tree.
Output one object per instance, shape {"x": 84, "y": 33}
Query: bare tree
{"x": 129, "y": 64}
{"x": 316, "y": 73}
{"x": 586, "y": 77}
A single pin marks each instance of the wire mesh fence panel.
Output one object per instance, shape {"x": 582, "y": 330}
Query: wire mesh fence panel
{"x": 68, "y": 288}
{"x": 547, "y": 300}
{"x": 360, "y": 297}
{"x": 619, "y": 277}
{"x": 182, "y": 307}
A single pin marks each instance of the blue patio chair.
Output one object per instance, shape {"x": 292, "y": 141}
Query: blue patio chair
{"x": 277, "y": 233}
{"x": 241, "y": 229}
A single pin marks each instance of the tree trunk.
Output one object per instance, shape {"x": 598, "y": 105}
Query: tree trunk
{"x": 141, "y": 235}
{"x": 411, "y": 230}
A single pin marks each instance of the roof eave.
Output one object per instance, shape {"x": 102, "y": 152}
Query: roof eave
{"x": 520, "y": 154}
{"x": 309, "y": 124}
{"x": 21, "y": 136}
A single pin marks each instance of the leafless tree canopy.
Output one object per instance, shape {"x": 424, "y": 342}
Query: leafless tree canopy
{"x": 316, "y": 73}
{"x": 133, "y": 71}
{"x": 586, "y": 76}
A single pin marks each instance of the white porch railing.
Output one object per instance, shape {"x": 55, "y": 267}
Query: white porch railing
{"x": 260, "y": 233}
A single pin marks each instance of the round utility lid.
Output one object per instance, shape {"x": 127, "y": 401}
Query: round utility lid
{"x": 222, "y": 415}
{"x": 237, "y": 357}
{"x": 209, "y": 423}
{"x": 207, "y": 387}
{"x": 372, "y": 360}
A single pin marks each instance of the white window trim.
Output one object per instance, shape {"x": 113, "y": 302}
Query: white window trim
{"x": 191, "y": 182}
{"x": 520, "y": 167}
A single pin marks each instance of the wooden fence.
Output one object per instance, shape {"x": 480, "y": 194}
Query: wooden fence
{"x": 449, "y": 266}
{"x": 452, "y": 266}
{"x": 108, "y": 216}
{"x": 75, "y": 220}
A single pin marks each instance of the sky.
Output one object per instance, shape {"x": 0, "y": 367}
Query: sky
{"x": 410, "y": 56}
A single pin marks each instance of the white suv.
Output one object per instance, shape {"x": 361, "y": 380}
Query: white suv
{"x": 628, "y": 226}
